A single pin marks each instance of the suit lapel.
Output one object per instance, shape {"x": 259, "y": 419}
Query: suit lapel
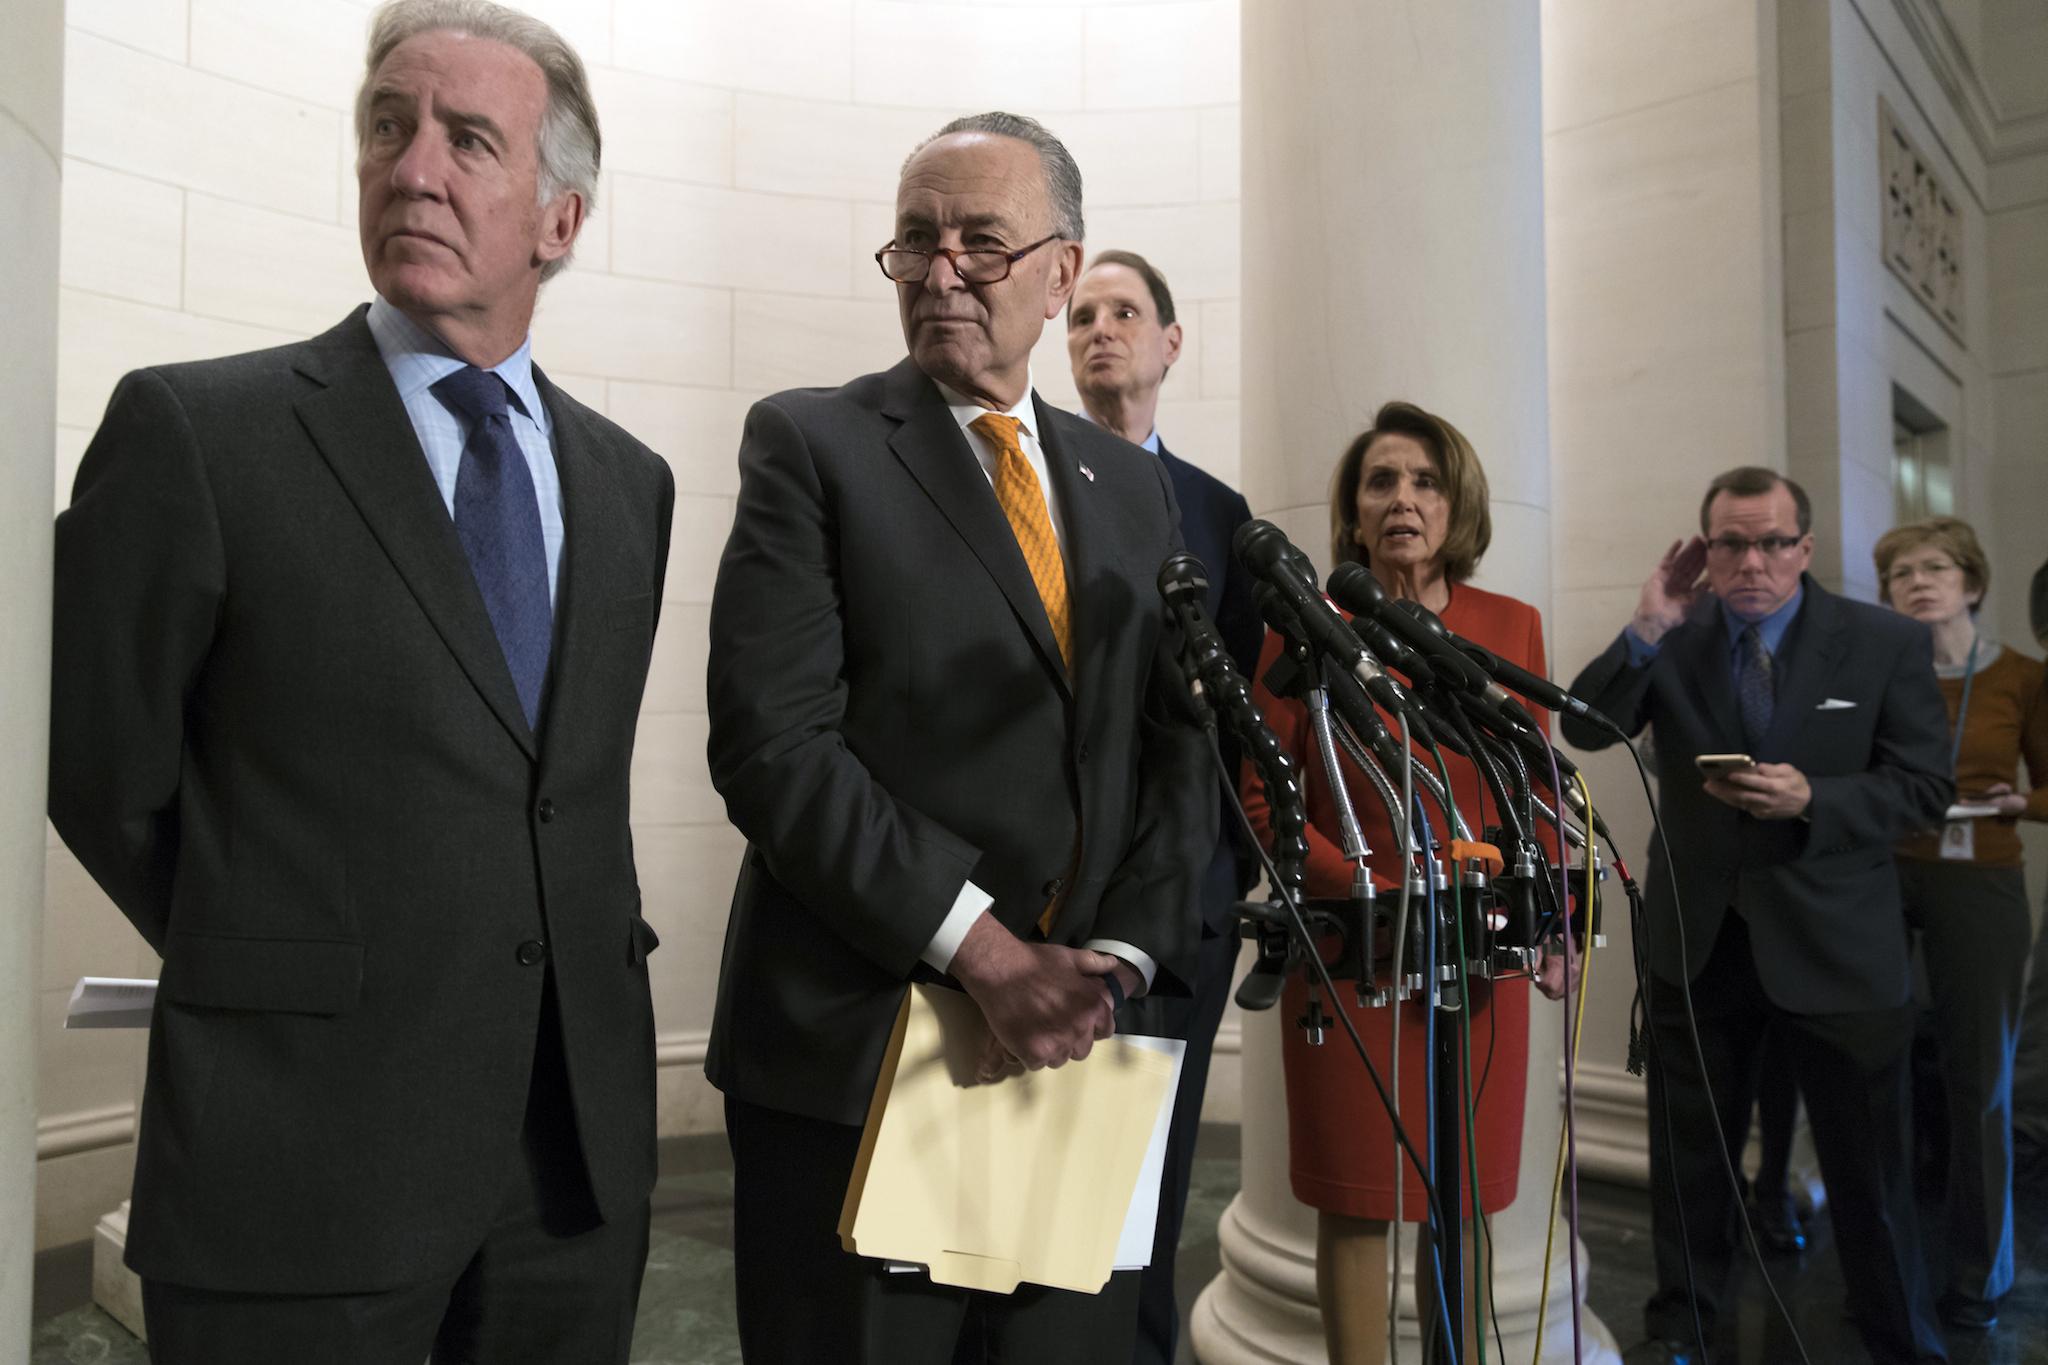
{"x": 591, "y": 526}
{"x": 1090, "y": 554}
{"x": 935, "y": 451}
{"x": 1815, "y": 642}
{"x": 363, "y": 432}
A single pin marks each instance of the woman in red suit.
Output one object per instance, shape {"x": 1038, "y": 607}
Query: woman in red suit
{"x": 1409, "y": 502}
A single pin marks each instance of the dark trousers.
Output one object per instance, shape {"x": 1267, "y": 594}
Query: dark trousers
{"x": 1195, "y": 1020}
{"x": 551, "y": 1284}
{"x": 1974, "y": 929}
{"x": 1777, "y": 1113}
{"x": 2030, "y": 1065}
{"x": 804, "y": 1300}
{"x": 1852, "y": 1070}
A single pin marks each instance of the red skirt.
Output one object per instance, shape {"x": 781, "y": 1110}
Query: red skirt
{"x": 1340, "y": 1140}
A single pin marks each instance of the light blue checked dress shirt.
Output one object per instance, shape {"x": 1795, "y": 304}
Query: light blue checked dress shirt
{"x": 417, "y": 362}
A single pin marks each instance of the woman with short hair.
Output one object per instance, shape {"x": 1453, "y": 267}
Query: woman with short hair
{"x": 1964, "y": 888}
{"x": 1409, "y": 502}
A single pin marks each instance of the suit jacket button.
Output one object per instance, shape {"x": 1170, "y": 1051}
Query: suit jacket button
{"x": 531, "y": 952}
{"x": 1051, "y": 888}
{"x": 546, "y": 810}
{"x": 1082, "y": 755}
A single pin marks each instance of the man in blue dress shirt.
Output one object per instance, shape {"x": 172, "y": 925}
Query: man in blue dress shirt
{"x": 350, "y": 640}
{"x": 1790, "y": 917}
{"x": 1122, "y": 339}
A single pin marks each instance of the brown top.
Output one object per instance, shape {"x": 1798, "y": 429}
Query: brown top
{"x": 2008, "y": 720}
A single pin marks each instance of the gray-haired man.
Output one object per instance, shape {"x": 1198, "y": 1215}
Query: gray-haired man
{"x": 350, "y": 640}
{"x": 940, "y": 713}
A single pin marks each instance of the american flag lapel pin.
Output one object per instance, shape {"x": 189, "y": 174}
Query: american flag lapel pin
{"x": 1087, "y": 473}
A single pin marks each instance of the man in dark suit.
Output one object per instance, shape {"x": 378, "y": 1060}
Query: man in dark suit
{"x": 943, "y": 713}
{"x": 1790, "y": 914}
{"x": 1122, "y": 339}
{"x": 350, "y": 639}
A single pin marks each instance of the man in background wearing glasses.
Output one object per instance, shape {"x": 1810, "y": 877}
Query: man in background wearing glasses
{"x": 1790, "y": 911}
{"x": 943, "y": 712}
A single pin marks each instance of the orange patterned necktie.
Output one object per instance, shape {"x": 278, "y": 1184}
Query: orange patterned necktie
{"x": 1031, "y": 522}
{"x": 1024, "y": 504}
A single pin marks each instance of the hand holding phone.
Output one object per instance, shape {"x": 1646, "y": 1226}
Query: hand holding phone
{"x": 1712, "y": 766}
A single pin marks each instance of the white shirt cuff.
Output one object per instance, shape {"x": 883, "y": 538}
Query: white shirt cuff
{"x": 967, "y": 908}
{"x": 1140, "y": 960}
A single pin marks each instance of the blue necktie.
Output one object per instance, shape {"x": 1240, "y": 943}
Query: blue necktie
{"x": 1757, "y": 690}
{"x": 497, "y": 518}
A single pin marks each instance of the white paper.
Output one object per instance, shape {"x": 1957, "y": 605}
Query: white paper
{"x": 1970, "y": 810}
{"x": 1134, "y": 1244}
{"x": 1141, "y": 1221}
{"x": 110, "y": 1002}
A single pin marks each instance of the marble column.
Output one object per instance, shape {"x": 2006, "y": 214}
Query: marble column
{"x": 31, "y": 116}
{"x": 1393, "y": 247}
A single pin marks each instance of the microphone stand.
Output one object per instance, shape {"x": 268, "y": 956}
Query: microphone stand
{"x": 1442, "y": 977}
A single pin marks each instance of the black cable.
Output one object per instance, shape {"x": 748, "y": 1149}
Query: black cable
{"x": 1699, "y": 1058}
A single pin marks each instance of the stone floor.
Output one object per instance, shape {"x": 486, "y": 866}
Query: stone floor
{"x": 686, "y": 1304}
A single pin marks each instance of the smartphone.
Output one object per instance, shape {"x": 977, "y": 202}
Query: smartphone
{"x": 1720, "y": 765}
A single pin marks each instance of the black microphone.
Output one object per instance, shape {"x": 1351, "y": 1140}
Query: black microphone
{"x": 1264, "y": 548}
{"x": 1288, "y": 678}
{"x": 1540, "y": 690}
{"x": 1488, "y": 688}
{"x": 1524, "y": 730}
{"x": 1184, "y": 583}
{"x": 1354, "y": 588}
{"x": 1392, "y": 652}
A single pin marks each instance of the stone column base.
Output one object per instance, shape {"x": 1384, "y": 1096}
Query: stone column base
{"x": 1262, "y": 1309}
{"x": 116, "y": 1288}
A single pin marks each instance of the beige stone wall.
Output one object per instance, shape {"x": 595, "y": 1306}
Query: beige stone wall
{"x": 751, "y": 156}
{"x": 1660, "y": 188}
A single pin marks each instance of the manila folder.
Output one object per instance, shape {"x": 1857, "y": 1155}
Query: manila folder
{"x": 1027, "y": 1178}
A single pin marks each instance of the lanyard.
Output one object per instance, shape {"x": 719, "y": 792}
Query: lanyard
{"x": 1955, "y": 750}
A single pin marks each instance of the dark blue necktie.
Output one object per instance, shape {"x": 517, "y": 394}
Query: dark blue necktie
{"x": 1757, "y": 689}
{"x": 497, "y": 518}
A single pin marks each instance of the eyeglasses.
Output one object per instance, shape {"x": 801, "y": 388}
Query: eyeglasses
{"x": 906, "y": 265}
{"x": 1902, "y": 572}
{"x": 1732, "y": 548}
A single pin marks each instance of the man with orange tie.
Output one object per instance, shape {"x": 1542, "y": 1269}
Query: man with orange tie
{"x": 946, "y": 714}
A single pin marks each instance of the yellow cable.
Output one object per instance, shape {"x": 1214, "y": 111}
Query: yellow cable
{"x": 1578, "y": 1028}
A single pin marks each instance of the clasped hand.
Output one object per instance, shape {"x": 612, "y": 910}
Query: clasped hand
{"x": 1045, "y": 1004}
{"x": 1769, "y": 791}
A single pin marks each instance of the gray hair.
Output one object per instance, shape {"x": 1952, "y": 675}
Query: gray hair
{"x": 1062, "y": 176}
{"x": 569, "y": 145}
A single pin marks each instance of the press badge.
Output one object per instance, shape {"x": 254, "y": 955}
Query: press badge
{"x": 1959, "y": 840}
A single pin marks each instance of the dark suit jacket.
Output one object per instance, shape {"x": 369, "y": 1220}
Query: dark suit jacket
{"x": 1210, "y": 513}
{"x": 285, "y": 741}
{"x": 890, "y": 718}
{"x": 1819, "y": 894}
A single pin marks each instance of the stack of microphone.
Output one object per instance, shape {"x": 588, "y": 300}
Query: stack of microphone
{"x": 1391, "y": 661}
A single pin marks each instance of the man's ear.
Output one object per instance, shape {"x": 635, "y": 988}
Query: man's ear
{"x": 1062, "y": 278}
{"x": 561, "y": 218}
{"x": 1174, "y": 336}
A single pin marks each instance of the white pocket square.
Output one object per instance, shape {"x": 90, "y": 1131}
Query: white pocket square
{"x": 1836, "y": 704}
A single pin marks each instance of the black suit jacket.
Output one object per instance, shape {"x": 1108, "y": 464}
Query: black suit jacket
{"x": 285, "y": 741}
{"x": 1210, "y": 513}
{"x": 890, "y": 718}
{"x": 1820, "y": 894}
